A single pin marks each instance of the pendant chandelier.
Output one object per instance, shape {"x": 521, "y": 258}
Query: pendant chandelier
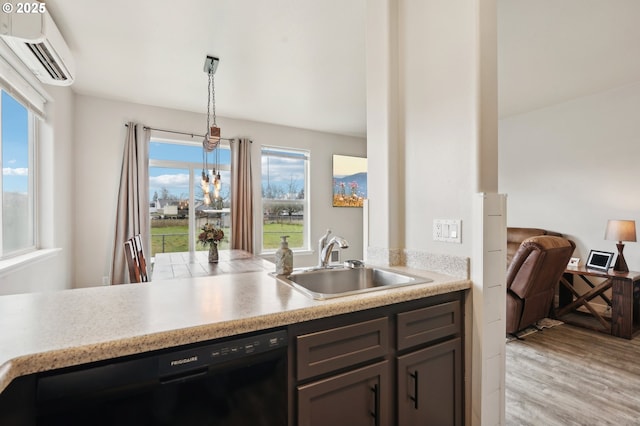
{"x": 212, "y": 138}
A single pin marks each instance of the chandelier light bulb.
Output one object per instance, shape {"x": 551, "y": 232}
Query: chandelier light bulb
{"x": 204, "y": 184}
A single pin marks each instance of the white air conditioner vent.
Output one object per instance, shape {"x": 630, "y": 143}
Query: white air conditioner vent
{"x": 36, "y": 40}
{"x": 48, "y": 61}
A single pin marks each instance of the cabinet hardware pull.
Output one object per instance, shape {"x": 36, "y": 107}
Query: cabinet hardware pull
{"x": 376, "y": 405}
{"x": 414, "y": 398}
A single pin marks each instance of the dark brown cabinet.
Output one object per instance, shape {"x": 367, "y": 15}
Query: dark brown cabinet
{"x": 401, "y": 364}
{"x": 429, "y": 366}
{"x": 430, "y": 386}
{"x": 342, "y": 392}
{"x": 356, "y": 398}
{"x": 330, "y": 350}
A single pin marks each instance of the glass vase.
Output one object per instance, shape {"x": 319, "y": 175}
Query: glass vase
{"x": 213, "y": 253}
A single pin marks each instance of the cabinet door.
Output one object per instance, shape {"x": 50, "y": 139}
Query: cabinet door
{"x": 430, "y": 386}
{"x": 356, "y": 398}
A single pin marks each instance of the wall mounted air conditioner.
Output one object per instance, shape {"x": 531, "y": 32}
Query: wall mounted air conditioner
{"x": 36, "y": 40}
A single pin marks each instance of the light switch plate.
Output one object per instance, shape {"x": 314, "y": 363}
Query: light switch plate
{"x": 447, "y": 230}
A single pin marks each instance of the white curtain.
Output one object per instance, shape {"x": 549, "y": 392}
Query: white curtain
{"x": 241, "y": 196}
{"x": 132, "y": 214}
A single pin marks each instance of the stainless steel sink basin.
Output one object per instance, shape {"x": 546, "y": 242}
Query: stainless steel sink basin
{"x": 336, "y": 282}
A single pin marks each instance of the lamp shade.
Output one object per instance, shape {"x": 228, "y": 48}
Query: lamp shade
{"x": 621, "y": 230}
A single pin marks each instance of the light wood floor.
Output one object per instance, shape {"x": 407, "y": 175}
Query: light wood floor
{"x": 572, "y": 376}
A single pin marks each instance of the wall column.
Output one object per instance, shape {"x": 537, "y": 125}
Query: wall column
{"x": 432, "y": 148}
{"x": 385, "y": 151}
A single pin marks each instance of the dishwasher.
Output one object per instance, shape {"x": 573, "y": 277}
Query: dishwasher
{"x": 235, "y": 382}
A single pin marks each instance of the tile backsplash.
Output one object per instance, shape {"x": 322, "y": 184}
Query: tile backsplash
{"x": 456, "y": 266}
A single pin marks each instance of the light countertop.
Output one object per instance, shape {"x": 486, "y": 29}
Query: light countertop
{"x": 46, "y": 331}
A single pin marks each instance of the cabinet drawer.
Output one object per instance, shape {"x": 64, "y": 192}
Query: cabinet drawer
{"x": 427, "y": 324}
{"x": 330, "y": 350}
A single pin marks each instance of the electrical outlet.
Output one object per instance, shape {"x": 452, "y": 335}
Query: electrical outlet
{"x": 437, "y": 230}
{"x": 447, "y": 230}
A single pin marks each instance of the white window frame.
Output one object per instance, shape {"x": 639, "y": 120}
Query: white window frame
{"x": 32, "y": 186}
{"x": 22, "y": 85}
{"x": 306, "y": 231}
{"x": 194, "y": 168}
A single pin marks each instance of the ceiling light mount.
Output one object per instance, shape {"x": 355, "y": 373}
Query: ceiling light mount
{"x": 212, "y": 137}
{"x": 211, "y": 64}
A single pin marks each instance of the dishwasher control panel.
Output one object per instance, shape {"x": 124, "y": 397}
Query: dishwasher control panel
{"x": 201, "y": 357}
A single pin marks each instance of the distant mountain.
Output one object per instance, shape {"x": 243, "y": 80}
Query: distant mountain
{"x": 358, "y": 178}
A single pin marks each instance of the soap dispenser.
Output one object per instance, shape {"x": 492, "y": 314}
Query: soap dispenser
{"x": 284, "y": 257}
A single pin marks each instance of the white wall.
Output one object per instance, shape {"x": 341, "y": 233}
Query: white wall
{"x": 56, "y": 212}
{"x": 432, "y": 131}
{"x": 100, "y": 132}
{"x": 422, "y": 120}
{"x": 572, "y": 166}
{"x": 386, "y": 187}
{"x": 448, "y": 94}
{"x": 439, "y": 100}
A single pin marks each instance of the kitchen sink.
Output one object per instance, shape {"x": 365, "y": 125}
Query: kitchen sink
{"x": 327, "y": 283}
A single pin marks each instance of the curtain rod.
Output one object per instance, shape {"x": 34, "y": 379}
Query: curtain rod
{"x": 178, "y": 133}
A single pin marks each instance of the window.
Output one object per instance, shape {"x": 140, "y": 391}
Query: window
{"x": 285, "y": 198}
{"x": 17, "y": 212}
{"x": 176, "y": 202}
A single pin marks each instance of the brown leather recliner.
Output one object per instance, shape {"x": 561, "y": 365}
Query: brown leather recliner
{"x": 532, "y": 277}
{"x": 516, "y": 235}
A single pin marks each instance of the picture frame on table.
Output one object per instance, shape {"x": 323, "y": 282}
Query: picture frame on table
{"x": 574, "y": 261}
{"x": 600, "y": 260}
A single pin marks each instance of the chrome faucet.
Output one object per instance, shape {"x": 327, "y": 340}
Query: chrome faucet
{"x": 325, "y": 248}
{"x": 322, "y": 242}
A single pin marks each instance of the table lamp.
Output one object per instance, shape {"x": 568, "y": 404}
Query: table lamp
{"x": 620, "y": 230}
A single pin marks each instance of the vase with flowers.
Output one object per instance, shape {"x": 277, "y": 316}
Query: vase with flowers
{"x": 210, "y": 236}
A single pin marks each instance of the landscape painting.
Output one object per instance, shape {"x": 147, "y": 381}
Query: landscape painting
{"x": 349, "y": 181}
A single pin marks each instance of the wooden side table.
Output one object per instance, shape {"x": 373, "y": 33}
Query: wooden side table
{"x": 624, "y": 315}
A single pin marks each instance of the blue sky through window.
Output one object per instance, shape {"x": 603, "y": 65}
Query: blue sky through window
{"x": 282, "y": 170}
{"x": 283, "y": 174}
{"x": 176, "y": 180}
{"x": 15, "y": 145}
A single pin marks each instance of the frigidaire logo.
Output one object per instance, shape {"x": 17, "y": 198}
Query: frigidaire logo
{"x": 184, "y": 360}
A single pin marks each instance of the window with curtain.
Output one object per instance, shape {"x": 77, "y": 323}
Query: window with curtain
{"x": 176, "y": 205}
{"x": 18, "y": 201}
{"x": 285, "y": 198}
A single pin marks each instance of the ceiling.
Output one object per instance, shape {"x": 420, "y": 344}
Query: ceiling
{"x": 301, "y": 63}
{"x": 552, "y": 51}
{"x": 297, "y": 63}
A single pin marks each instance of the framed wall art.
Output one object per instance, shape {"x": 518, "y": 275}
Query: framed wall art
{"x": 349, "y": 181}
